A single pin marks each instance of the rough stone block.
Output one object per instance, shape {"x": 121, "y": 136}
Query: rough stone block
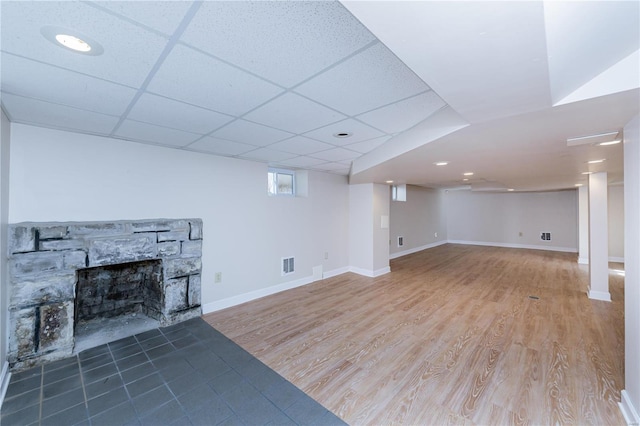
{"x": 169, "y": 249}
{"x": 192, "y": 248}
{"x": 179, "y": 316}
{"x": 54, "y": 231}
{"x": 173, "y": 235}
{"x": 181, "y": 267}
{"x": 22, "y": 324}
{"x": 75, "y": 259}
{"x": 22, "y": 238}
{"x": 58, "y": 245}
{"x": 98, "y": 229}
{"x": 195, "y": 229}
{"x": 175, "y": 296}
{"x": 195, "y": 290}
{"x": 160, "y": 225}
{"x": 42, "y": 290}
{"x": 56, "y": 326}
{"x": 36, "y": 262}
{"x": 122, "y": 249}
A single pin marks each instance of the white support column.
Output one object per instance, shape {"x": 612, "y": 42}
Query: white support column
{"x": 583, "y": 225}
{"x": 598, "y": 238}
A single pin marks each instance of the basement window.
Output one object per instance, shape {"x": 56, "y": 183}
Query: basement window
{"x": 281, "y": 182}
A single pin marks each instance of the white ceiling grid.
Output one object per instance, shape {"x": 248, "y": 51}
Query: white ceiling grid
{"x": 478, "y": 83}
{"x": 265, "y": 81}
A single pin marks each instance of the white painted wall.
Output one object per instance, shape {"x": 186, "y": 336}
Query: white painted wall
{"x": 631, "y": 393}
{"x": 498, "y": 218}
{"x": 368, "y": 240}
{"x": 61, "y": 176}
{"x": 616, "y": 222}
{"x": 5, "y": 139}
{"x": 583, "y": 225}
{"x": 360, "y": 227}
{"x": 417, "y": 220}
{"x": 381, "y": 200}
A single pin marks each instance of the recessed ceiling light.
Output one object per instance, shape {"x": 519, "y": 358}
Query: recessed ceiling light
{"x": 72, "y": 40}
{"x": 465, "y": 180}
{"x": 468, "y": 174}
{"x": 596, "y": 161}
{"x": 73, "y": 43}
{"x": 593, "y": 139}
{"x": 441, "y": 163}
{"x": 342, "y": 134}
{"x": 389, "y": 181}
{"x": 587, "y": 173}
{"x": 510, "y": 189}
{"x": 578, "y": 184}
{"x": 609, "y": 143}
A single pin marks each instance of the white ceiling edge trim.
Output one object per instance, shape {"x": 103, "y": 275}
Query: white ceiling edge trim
{"x": 440, "y": 124}
{"x": 623, "y": 76}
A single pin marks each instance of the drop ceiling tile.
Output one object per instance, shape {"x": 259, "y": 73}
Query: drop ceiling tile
{"x": 366, "y": 146}
{"x": 333, "y": 167}
{"x": 369, "y": 80}
{"x": 156, "y": 135}
{"x": 302, "y": 162}
{"x": 177, "y": 115}
{"x": 27, "y": 78}
{"x": 250, "y": 133}
{"x": 32, "y": 111}
{"x": 201, "y": 80}
{"x": 220, "y": 146}
{"x": 301, "y": 145}
{"x": 294, "y": 113}
{"x": 336, "y": 154}
{"x": 405, "y": 114}
{"x": 129, "y": 54}
{"x": 267, "y": 155}
{"x": 285, "y": 42}
{"x": 163, "y": 16}
{"x": 359, "y": 132}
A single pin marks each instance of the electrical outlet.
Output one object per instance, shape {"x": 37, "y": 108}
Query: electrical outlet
{"x": 217, "y": 278}
{"x": 435, "y": 235}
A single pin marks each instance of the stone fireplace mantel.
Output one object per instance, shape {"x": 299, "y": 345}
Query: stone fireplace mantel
{"x": 44, "y": 259}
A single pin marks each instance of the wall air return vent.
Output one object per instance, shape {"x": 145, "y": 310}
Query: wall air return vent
{"x": 288, "y": 266}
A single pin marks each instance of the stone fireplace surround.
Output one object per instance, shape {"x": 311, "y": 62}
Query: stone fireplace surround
{"x": 44, "y": 260}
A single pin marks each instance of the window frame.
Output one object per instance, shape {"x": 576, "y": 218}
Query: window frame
{"x": 279, "y": 171}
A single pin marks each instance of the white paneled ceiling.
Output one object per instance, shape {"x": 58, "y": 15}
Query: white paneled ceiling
{"x": 277, "y": 81}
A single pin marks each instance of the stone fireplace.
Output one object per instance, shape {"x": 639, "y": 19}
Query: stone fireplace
{"x": 68, "y": 280}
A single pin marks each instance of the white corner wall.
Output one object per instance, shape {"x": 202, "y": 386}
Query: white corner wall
{"x": 630, "y": 403}
{"x": 615, "y": 214}
{"x": 5, "y": 139}
{"x": 417, "y": 220}
{"x": 368, "y": 229}
{"x": 498, "y": 219}
{"x": 62, "y": 176}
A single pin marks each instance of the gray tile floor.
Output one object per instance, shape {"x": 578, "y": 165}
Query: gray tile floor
{"x": 185, "y": 374}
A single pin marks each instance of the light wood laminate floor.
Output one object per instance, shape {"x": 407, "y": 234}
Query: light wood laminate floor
{"x": 450, "y": 336}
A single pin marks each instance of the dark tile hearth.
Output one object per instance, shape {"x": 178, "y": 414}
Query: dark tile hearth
{"x": 184, "y": 374}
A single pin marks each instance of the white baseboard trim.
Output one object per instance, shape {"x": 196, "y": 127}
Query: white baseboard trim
{"x": 519, "y": 246}
{"x": 583, "y": 260}
{"x": 616, "y": 259}
{"x": 5, "y": 377}
{"x": 370, "y": 273}
{"x": 416, "y": 249}
{"x": 257, "y": 294}
{"x": 252, "y": 295}
{"x": 335, "y": 272}
{"x": 628, "y": 410}
{"x": 600, "y": 295}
